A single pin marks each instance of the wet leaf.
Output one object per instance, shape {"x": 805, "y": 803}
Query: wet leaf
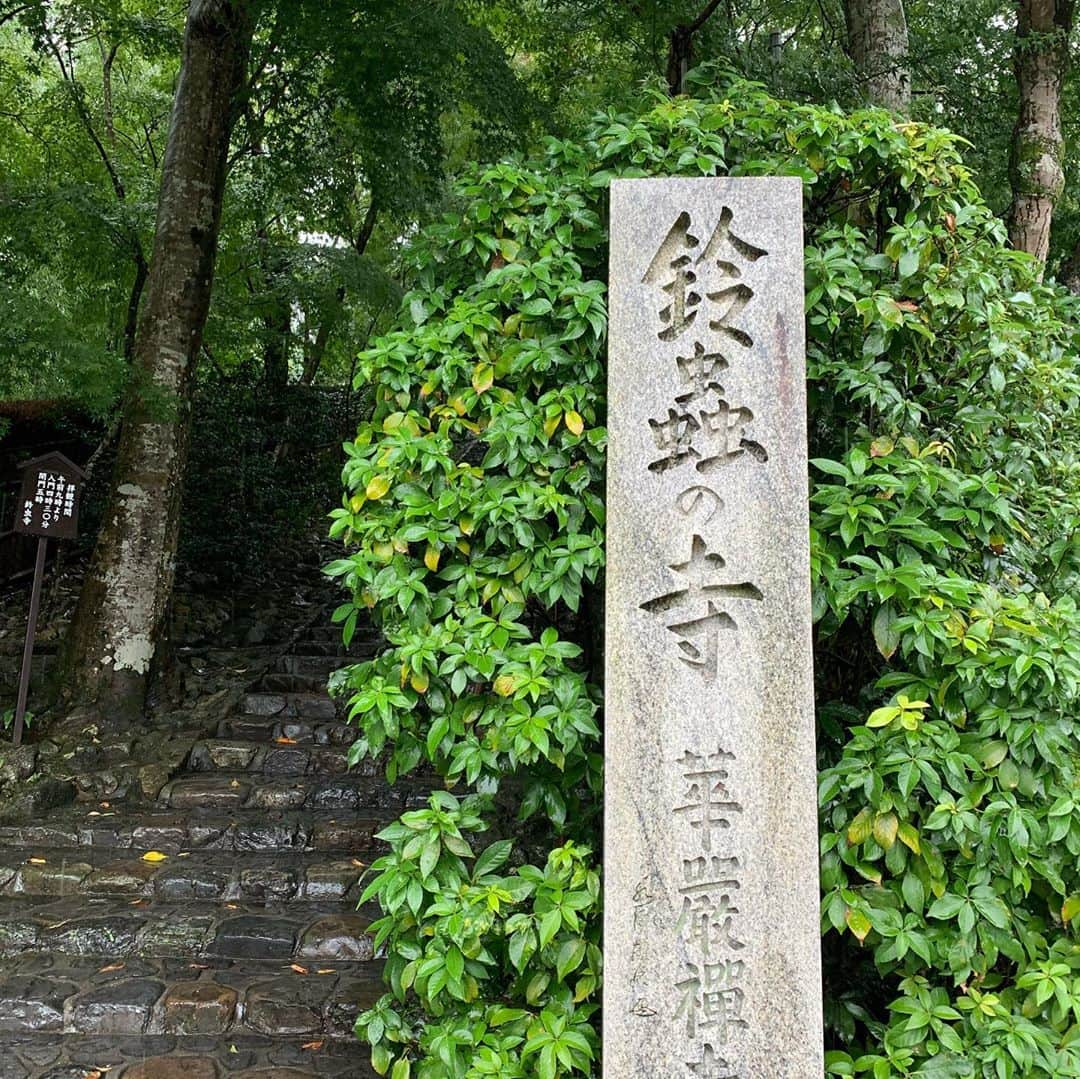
{"x": 377, "y": 487}
{"x": 1070, "y": 908}
{"x": 858, "y": 923}
{"x": 483, "y": 377}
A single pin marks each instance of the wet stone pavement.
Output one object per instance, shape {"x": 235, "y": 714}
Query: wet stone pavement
{"x": 212, "y": 930}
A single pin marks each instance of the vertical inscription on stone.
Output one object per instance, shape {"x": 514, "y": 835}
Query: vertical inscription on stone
{"x": 712, "y": 954}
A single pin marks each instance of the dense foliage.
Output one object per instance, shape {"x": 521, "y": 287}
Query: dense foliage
{"x": 945, "y": 513}
{"x": 258, "y": 471}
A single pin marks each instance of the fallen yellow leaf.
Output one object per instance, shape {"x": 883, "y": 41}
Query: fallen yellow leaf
{"x": 154, "y": 856}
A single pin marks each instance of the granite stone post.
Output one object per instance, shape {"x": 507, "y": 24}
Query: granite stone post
{"x": 712, "y": 950}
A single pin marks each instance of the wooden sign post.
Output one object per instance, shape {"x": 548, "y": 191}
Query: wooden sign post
{"x": 48, "y": 507}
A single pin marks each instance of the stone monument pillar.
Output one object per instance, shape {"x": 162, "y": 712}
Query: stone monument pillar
{"x": 712, "y": 949}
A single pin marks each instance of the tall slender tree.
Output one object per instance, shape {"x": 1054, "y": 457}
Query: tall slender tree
{"x": 1041, "y": 61}
{"x": 877, "y": 34}
{"x": 121, "y": 612}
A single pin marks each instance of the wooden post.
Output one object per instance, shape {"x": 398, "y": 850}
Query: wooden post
{"x": 48, "y": 508}
{"x": 28, "y": 647}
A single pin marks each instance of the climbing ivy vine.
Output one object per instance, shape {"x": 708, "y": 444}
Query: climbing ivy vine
{"x": 945, "y": 521}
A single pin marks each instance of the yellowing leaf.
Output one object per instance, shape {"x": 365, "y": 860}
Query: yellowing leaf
{"x": 378, "y": 486}
{"x": 551, "y": 425}
{"x": 882, "y": 447}
{"x": 1070, "y": 908}
{"x": 483, "y": 377}
{"x": 154, "y": 856}
{"x": 419, "y": 682}
{"x": 506, "y": 685}
{"x": 574, "y": 422}
{"x": 431, "y": 558}
{"x": 908, "y": 835}
{"x": 860, "y": 828}
{"x": 882, "y": 717}
{"x": 356, "y": 503}
{"x": 858, "y": 923}
{"x": 466, "y": 525}
{"x": 885, "y": 827}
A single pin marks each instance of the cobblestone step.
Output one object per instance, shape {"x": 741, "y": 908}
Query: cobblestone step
{"x": 240, "y": 790}
{"x": 321, "y": 666}
{"x": 289, "y": 705}
{"x": 236, "y": 949}
{"x": 203, "y": 875}
{"x": 62, "y": 995}
{"x": 251, "y": 728}
{"x": 235, "y": 1056}
{"x": 279, "y": 682}
{"x": 281, "y": 759}
{"x": 196, "y": 829}
{"x": 118, "y": 929}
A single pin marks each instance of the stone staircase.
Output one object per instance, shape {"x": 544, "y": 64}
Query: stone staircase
{"x": 212, "y": 931}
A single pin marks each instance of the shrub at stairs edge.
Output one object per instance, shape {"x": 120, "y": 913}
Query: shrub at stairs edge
{"x": 945, "y": 520}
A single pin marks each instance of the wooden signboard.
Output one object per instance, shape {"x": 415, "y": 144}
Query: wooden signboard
{"x": 49, "y": 498}
{"x": 48, "y": 508}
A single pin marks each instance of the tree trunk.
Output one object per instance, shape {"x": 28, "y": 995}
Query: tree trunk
{"x": 681, "y": 48}
{"x": 121, "y": 612}
{"x": 1040, "y": 60}
{"x": 878, "y": 46}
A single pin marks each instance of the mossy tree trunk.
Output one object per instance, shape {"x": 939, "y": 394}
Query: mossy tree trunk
{"x": 1040, "y": 60}
{"x": 878, "y": 46}
{"x": 119, "y": 620}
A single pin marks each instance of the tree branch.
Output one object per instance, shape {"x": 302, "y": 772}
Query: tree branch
{"x": 704, "y": 16}
{"x": 7, "y": 16}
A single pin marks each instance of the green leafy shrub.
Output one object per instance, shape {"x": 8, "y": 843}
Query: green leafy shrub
{"x": 945, "y": 516}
